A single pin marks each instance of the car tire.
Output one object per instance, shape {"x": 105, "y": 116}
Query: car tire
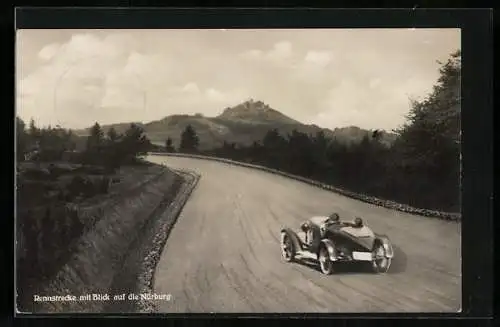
{"x": 287, "y": 247}
{"x": 381, "y": 262}
{"x": 325, "y": 264}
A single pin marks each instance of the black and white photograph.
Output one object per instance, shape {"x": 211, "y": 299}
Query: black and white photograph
{"x": 238, "y": 171}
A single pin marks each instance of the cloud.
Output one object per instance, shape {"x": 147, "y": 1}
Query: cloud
{"x": 118, "y": 97}
{"x": 194, "y": 99}
{"x": 49, "y": 51}
{"x": 280, "y": 51}
{"x": 315, "y": 68}
{"x": 374, "y": 82}
{"x": 252, "y": 54}
{"x": 191, "y": 88}
{"x": 320, "y": 58}
{"x": 75, "y": 80}
{"x": 215, "y": 95}
{"x": 82, "y": 46}
{"x": 386, "y": 101}
{"x": 225, "y": 98}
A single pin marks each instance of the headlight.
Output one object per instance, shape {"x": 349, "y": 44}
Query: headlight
{"x": 388, "y": 249}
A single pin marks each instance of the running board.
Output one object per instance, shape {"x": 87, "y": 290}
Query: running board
{"x": 307, "y": 255}
{"x": 356, "y": 256}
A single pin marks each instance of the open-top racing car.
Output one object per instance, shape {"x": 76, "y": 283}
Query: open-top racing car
{"x": 328, "y": 240}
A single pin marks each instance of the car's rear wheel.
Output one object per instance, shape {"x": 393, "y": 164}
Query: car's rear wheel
{"x": 325, "y": 264}
{"x": 381, "y": 262}
{"x": 287, "y": 248}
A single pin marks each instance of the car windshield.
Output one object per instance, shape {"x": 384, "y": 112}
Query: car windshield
{"x": 318, "y": 220}
{"x": 329, "y": 221}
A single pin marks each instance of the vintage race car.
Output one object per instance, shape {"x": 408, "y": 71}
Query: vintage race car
{"x": 329, "y": 242}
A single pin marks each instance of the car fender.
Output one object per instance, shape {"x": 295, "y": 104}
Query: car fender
{"x": 330, "y": 246}
{"x": 386, "y": 243}
{"x": 294, "y": 237}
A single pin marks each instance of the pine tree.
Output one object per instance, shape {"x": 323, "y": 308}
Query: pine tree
{"x": 189, "y": 140}
{"x": 33, "y": 130}
{"x": 94, "y": 140}
{"x": 169, "y": 145}
{"x": 136, "y": 141}
{"x": 112, "y": 134}
{"x": 21, "y": 139}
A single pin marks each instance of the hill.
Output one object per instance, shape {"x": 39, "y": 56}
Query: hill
{"x": 242, "y": 124}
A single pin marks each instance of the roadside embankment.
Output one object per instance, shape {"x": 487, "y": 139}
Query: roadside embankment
{"x": 137, "y": 273}
{"x": 100, "y": 253}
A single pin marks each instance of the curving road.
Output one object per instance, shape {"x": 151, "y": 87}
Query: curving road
{"x": 223, "y": 254}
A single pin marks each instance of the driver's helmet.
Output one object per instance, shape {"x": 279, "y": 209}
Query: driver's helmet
{"x": 358, "y": 222}
{"x": 333, "y": 218}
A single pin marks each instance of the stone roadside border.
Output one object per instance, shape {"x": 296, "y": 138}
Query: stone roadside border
{"x": 163, "y": 226}
{"x": 450, "y": 216}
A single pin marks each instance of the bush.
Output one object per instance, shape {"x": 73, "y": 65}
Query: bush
{"x": 49, "y": 155}
{"x": 88, "y": 186}
{"x": 47, "y": 233}
{"x": 38, "y": 174}
{"x": 77, "y": 186}
{"x": 104, "y": 185}
{"x": 57, "y": 171}
{"x": 73, "y": 157}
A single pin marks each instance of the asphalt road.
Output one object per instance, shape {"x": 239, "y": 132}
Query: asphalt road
{"x": 223, "y": 254}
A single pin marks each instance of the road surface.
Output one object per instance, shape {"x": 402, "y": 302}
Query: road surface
{"x": 223, "y": 255}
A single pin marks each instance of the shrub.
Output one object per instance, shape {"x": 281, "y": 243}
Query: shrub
{"x": 47, "y": 233}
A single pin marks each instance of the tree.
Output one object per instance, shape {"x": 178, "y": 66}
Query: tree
{"x": 429, "y": 142}
{"x": 273, "y": 140}
{"x": 52, "y": 142}
{"x": 95, "y": 139}
{"x": 126, "y": 147}
{"x": 70, "y": 143}
{"x": 33, "y": 130}
{"x": 136, "y": 141}
{"x": 376, "y": 135}
{"x": 321, "y": 141}
{"x": 300, "y": 154}
{"x": 22, "y": 140}
{"x": 189, "y": 140}
{"x": 168, "y": 145}
{"x": 112, "y": 135}
{"x": 275, "y": 146}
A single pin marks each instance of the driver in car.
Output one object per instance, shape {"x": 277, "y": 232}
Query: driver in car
{"x": 333, "y": 219}
{"x": 313, "y": 233}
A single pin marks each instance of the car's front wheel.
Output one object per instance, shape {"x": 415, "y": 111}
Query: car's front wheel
{"x": 381, "y": 262}
{"x": 325, "y": 263}
{"x": 287, "y": 248}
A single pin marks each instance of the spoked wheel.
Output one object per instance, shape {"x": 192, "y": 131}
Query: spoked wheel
{"x": 287, "y": 249}
{"x": 381, "y": 262}
{"x": 325, "y": 263}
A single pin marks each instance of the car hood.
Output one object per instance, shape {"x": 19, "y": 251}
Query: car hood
{"x": 363, "y": 236}
{"x": 362, "y": 232}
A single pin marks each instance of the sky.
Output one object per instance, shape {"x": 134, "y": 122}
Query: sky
{"x": 328, "y": 77}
